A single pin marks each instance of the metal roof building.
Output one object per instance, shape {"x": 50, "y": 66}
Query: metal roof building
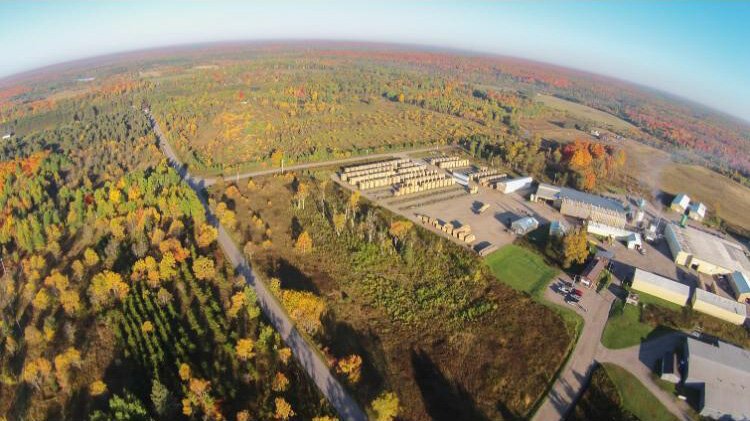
{"x": 705, "y": 252}
{"x": 525, "y": 225}
{"x": 510, "y": 186}
{"x": 721, "y": 374}
{"x": 740, "y": 284}
{"x": 583, "y": 205}
{"x": 719, "y": 307}
{"x": 660, "y": 287}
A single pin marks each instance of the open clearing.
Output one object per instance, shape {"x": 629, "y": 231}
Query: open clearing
{"x": 520, "y": 268}
{"x": 585, "y": 112}
{"x": 653, "y": 167}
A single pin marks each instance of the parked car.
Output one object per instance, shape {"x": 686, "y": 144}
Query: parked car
{"x": 572, "y": 300}
{"x": 565, "y": 289}
{"x": 577, "y": 292}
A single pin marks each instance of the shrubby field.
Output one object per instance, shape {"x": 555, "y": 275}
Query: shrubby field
{"x": 426, "y": 319}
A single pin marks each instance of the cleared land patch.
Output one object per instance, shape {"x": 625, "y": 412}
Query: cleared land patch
{"x": 520, "y": 268}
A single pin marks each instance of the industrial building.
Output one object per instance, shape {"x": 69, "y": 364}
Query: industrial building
{"x": 719, "y": 307}
{"x": 680, "y": 203}
{"x": 513, "y": 185}
{"x": 705, "y": 252}
{"x": 697, "y": 211}
{"x": 740, "y": 285}
{"x": 660, "y": 287}
{"x": 720, "y": 373}
{"x": 631, "y": 239}
{"x": 582, "y": 205}
{"x": 525, "y": 225}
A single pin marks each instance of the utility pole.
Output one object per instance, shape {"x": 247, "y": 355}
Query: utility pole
{"x": 282, "y": 165}
{"x": 3, "y": 265}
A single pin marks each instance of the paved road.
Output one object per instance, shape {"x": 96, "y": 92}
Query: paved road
{"x": 574, "y": 376}
{"x": 401, "y": 154}
{"x": 639, "y": 361}
{"x": 305, "y": 353}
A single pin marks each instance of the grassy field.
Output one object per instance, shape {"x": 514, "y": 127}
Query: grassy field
{"x": 728, "y": 198}
{"x": 624, "y": 328}
{"x": 629, "y": 325}
{"x": 520, "y": 268}
{"x": 635, "y": 397}
{"x": 585, "y": 112}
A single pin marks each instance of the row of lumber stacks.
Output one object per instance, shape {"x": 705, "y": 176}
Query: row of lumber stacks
{"x": 487, "y": 177}
{"x": 431, "y": 180}
{"x": 448, "y": 162}
{"x": 462, "y": 233}
{"x": 382, "y": 174}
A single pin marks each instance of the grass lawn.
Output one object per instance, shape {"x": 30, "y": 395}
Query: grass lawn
{"x": 521, "y": 268}
{"x": 624, "y": 328}
{"x": 635, "y": 397}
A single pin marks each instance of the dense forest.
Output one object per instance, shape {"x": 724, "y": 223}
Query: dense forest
{"x": 116, "y": 302}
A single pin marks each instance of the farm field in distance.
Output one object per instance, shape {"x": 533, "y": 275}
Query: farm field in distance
{"x": 654, "y": 168}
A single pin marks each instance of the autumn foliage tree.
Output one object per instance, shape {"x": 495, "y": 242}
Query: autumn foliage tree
{"x": 575, "y": 247}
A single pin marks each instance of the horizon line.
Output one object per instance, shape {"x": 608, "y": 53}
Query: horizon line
{"x": 456, "y": 51}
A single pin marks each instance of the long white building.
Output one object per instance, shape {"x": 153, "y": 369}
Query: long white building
{"x": 661, "y": 287}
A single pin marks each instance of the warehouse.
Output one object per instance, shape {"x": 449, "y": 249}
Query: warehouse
{"x": 660, "y": 287}
{"x": 720, "y": 373}
{"x": 680, "y": 203}
{"x": 631, "y": 239}
{"x": 582, "y": 205}
{"x": 513, "y": 185}
{"x": 705, "y": 252}
{"x": 719, "y": 307}
{"x": 740, "y": 285}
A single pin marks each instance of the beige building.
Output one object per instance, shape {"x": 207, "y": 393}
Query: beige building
{"x": 705, "y": 252}
{"x": 719, "y": 307}
{"x": 740, "y": 285}
{"x": 661, "y": 287}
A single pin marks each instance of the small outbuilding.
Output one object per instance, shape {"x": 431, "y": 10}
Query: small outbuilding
{"x": 558, "y": 229}
{"x": 670, "y": 368}
{"x": 660, "y": 287}
{"x": 680, "y": 203}
{"x": 525, "y": 225}
{"x": 697, "y": 211}
{"x": 740, "y": 284}
{"x": 719, "y": 307}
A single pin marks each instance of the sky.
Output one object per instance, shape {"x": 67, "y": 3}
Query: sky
{"x": 696, "y": 49}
